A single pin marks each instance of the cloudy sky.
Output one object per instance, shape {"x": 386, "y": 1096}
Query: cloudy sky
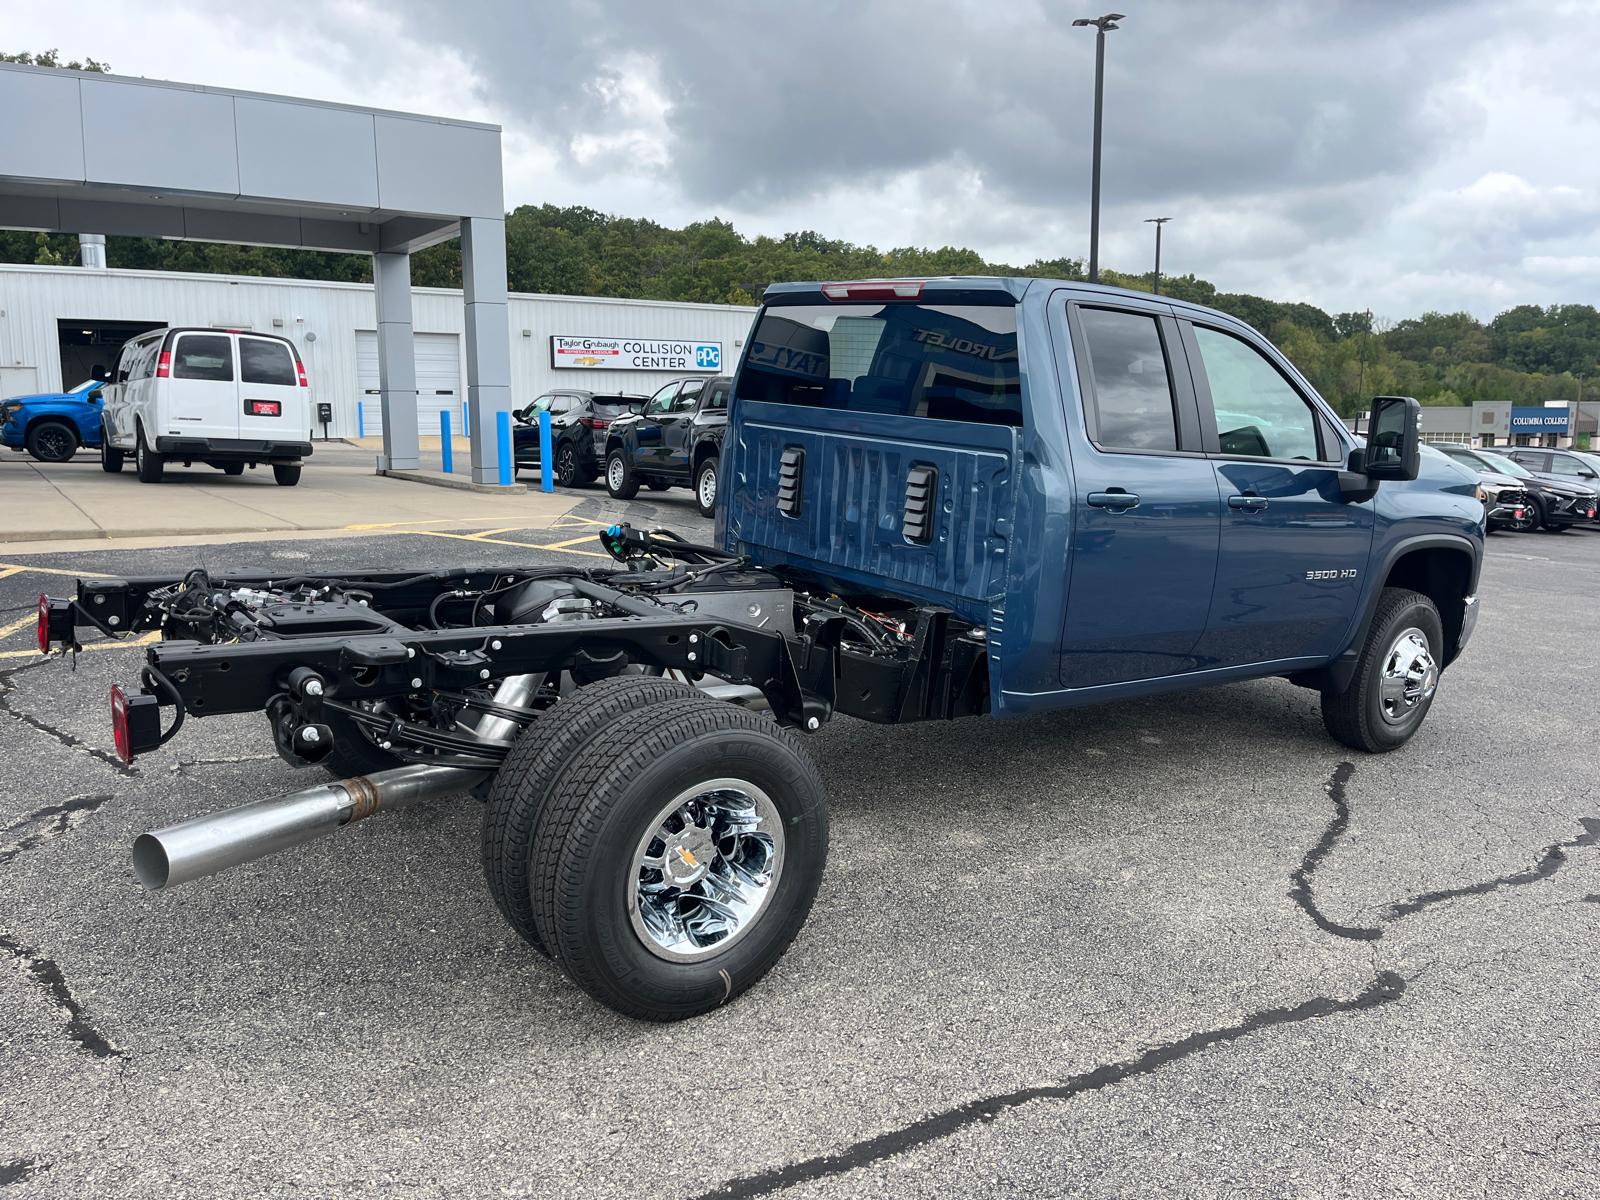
{"x": 1344, "y": 152}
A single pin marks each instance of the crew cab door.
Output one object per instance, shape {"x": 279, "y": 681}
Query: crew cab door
{"x": 271, "y": 406}
{"x": 648, "y": 430}
{"x": 677, "y": 427}
{"x": 1294, "y": 552}
{"x": 201, "y": 397}
{"x": 1146, "y": 512}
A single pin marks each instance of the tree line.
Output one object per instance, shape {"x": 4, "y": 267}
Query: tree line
{"x": 1527, "y": 354}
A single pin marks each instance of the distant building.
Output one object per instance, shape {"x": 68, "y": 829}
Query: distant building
{"x": 57, "y": 324}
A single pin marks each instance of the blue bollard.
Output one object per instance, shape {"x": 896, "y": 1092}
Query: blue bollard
{"x": 444, "y": 442}
{"x": 546, "y": 483}
{"x": 361, "y": 420}
{"x": 502, "y": 429}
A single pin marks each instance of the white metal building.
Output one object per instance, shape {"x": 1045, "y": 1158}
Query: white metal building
{"x": 49, "y": 315}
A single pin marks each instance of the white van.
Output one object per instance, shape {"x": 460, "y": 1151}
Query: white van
{"x": 223, "y": 397}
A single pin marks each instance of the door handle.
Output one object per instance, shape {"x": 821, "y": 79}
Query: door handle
{"x": 1117, "y": 501}
{"x": 1248, "y": 503}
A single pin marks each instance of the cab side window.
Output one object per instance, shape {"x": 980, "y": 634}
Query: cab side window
{"x": 686, "y": 398}
{"x": 1132, "y": 391}
{"x": 719, "y": 398}
{"x": 1258, "y": 414}
{"x": 126, "y": 365}
{"x": 1565, "y": 464}
{"x": 661, "y": 402}
{"x": 204, "y": 356}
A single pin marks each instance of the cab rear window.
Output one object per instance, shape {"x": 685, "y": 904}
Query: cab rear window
{"x": 204, "y": 356}
{"x": 264, "y": 362}
{"x": 935, "y": 361}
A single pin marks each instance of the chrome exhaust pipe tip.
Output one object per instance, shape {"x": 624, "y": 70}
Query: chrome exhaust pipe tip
{"x": 193, "y": 849}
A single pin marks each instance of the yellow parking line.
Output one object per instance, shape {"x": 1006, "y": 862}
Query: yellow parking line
{"x": 588, "y": 537}
{"x": 585, "y": 520}
{"x": 478, "y": 537}
{"x": 12, "y": 569}
{"x": 8, "y": 630}
{"x": 463, "y": 537}
{"x": 147, "y": 639}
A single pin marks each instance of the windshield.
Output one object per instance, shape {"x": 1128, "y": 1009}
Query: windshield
{"x": 1506, "y": 466}
{"x": 85, "y": 387}
{"x": 941, "y": 362}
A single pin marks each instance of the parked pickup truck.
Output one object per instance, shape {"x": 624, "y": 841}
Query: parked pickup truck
{"x": 939, "y": 499}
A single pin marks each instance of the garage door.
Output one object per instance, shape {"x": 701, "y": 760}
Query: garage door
{"x": 438, "y": 359}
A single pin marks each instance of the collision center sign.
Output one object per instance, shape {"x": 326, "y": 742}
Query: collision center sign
{"x": 633, "y": 354}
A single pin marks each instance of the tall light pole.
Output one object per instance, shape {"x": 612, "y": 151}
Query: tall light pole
{"x": 1158, "y": 222}
{"x": 1104, "y": 25}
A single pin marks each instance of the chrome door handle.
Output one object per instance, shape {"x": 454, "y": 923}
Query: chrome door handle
{"x": 1248, "y": 503}
{"x": 1113, "y": 500}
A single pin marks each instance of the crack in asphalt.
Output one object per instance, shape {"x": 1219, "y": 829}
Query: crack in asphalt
{"x": 1549, "y": 863}
{"x": 1300, "y": 877}
{"x": 1385, "y": 989}
{"x": 47, "y": 974}
{"x": 61, "y": 735}
{"x": 19, "y": 1169}
{"x": 64, "y": 814}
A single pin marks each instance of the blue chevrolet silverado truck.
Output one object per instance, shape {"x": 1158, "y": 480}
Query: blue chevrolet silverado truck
{"x": 939, "y": 498}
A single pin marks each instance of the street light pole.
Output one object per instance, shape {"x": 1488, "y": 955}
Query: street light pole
{"x": 1158, "y": 222}
{"x": 1104, "y": 25}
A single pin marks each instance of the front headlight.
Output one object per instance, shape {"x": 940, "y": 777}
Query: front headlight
{"x": 1483, "y": 494}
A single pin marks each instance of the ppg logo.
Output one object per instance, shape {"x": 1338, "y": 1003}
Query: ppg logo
{"x": 708, "y": 358}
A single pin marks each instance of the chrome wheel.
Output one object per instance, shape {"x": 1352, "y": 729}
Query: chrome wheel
{"x": 708, "y": 488}
{"x": 703, "y": 873}
{"x": 1409, "y": 677}
{"x": 614, "y": 474}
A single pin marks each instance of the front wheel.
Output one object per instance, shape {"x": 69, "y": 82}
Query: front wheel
{"x": 287, "y": 474}
{"x": 1396, "y": 676}
{"x": 620, "y": 479}
{"x": 110, "y": 457}
{"x": 695, "y": 852}
{"x": 52, "y": 442}
{"x": 705, "y": 487}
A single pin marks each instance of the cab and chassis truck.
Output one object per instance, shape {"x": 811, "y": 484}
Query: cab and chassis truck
{"x": 939, "y": 499}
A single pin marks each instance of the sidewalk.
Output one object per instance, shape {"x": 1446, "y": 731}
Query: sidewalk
{"x": 338, "y": 492}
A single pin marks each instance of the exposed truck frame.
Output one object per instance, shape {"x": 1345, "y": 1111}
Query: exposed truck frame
{"x": 939, "y": 514}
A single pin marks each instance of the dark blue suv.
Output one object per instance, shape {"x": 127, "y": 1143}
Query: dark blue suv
{"x": 52, "y": 426}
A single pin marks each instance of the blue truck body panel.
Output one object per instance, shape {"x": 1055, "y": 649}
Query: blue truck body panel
{"x": 1227, "y": 567}
{"x": 79, "y": 408}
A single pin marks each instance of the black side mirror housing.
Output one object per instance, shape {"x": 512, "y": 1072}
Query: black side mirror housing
{"x": 1394, "y": 439}
{"x": 100, "y": 375}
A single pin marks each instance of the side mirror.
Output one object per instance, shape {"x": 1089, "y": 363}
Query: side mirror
{"x": 1394, "y": 439}
{"x": 100, "y": 375}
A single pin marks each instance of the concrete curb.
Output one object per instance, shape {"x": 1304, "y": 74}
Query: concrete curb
{"x": 459, "y": 482}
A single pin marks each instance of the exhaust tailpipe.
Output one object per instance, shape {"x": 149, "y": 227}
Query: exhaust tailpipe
{"x": 205, "y": 845}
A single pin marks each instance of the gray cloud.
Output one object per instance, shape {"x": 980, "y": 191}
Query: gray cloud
{"x": 768, "y": 102}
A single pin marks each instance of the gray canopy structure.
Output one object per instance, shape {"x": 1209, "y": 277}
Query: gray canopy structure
{"x": 105, "y": 154}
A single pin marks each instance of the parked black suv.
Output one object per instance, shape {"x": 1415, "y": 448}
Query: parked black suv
{"x": 579, "y": 422}
{"x": 1577, "y": 470}
{"x": 1562, "y": 501}
{"x": 675, "y": 442}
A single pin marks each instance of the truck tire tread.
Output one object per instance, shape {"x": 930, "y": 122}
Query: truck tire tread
{"x": 588, "y": 794}
{"x": 521, "y": 789}
{"x": 1347, "y": 715}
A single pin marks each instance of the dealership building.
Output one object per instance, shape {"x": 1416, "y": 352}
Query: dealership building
{"x": 57, "y": 324}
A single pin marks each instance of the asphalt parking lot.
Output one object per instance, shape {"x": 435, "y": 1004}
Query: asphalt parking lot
{"x": 1185, "y": 946}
